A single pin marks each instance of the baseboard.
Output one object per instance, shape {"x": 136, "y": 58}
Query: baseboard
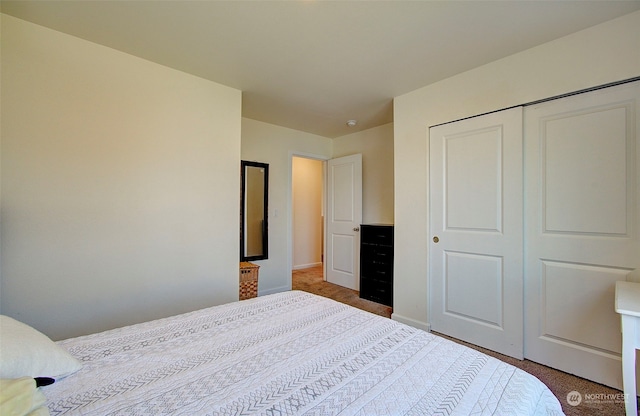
{"x": 411, "y": 322}
{"x": 306, "y": 266}
{"x": 275, "y": 290}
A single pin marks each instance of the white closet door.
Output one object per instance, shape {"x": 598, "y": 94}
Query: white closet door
{"x": 475, "y": 253}
{"x": 582, "y": 160}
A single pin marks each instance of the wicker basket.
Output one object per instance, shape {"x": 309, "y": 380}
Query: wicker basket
{"x": 248, "y": 280}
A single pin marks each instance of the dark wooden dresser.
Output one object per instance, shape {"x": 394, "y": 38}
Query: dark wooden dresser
{"x": 376, "y": 263}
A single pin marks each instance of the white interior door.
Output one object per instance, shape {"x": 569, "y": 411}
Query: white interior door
{"x": 344, "y": 215}
{"x": 582, "y": 227}
{"x": 476, "y": 229}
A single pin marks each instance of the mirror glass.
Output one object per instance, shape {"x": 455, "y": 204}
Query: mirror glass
{"x": 253, "y": 211}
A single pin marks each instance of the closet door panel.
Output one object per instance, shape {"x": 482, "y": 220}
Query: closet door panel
{"x": 581, "y": 227}
{"x": 475, "y": 219}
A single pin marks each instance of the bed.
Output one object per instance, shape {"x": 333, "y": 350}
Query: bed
{"x": 291, "y": 353}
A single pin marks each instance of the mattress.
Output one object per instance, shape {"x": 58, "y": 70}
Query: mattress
{"x": 290, "y": 353}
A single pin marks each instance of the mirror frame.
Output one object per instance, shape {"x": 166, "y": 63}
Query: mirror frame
{"x": 243, "y": 186}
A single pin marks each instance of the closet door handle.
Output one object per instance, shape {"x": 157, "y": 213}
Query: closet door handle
{"x": 436, "y": 239}
{"x": 356, "y": 228}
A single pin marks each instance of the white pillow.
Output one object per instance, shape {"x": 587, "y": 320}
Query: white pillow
{"x": 25, "y": 352}
{"x": 21, "y": 397}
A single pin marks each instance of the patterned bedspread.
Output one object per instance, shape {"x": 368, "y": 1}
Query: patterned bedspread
{"x": 290, "y": 353}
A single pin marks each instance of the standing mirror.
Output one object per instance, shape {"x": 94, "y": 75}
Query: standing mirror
{"x": 253, "y": 211}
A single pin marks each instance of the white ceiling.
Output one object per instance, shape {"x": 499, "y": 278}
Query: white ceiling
{"x": 313, "y": 65}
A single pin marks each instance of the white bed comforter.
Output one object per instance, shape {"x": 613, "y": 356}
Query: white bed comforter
{"x": 288, "y": 354}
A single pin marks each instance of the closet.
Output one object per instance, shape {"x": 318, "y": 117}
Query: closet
{"x": 534, "y": 215}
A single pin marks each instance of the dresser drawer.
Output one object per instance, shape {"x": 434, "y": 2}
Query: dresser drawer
{"x": 377, "y": 254}
{"x": 378, "y": 293}
{"x": 377, "y": 272}
{"x": 375, "y": 234}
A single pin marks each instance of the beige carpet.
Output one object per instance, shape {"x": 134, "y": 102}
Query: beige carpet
{"x": 596, "y": 398}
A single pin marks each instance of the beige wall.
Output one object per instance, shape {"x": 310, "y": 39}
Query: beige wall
{"x": 603, "y": 54}
{"x": 376, "y": 146}
{"x": 275, "y": 145}
{"x": 307, "y": 212}
{"x": 120, "y": 185}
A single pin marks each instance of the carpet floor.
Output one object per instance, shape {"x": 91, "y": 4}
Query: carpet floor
{"x": 597, "y": 399}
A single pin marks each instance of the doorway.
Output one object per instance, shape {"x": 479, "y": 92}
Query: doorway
{"x": 307, "y": 190}
{"x": 330, "y": 240}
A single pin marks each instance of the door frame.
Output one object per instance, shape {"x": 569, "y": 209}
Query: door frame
{"x": 289, "y": 213}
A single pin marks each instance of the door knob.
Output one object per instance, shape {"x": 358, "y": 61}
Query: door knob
{"x": 356, "y": 228}
{"x": 436, "y": 239}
